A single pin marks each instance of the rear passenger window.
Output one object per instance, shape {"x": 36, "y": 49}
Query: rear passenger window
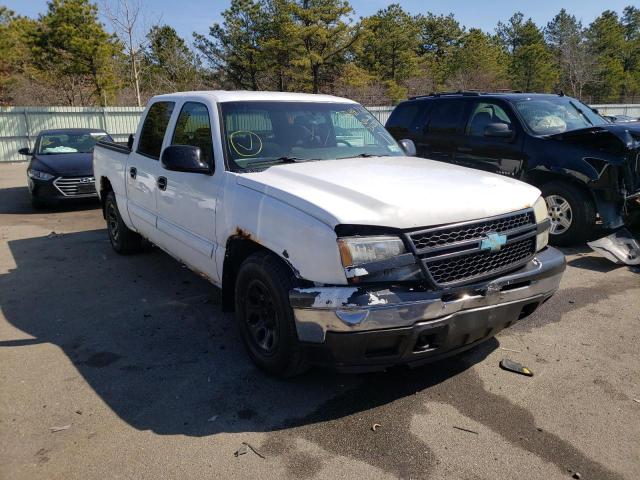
{"x": 154, "y": 128}
{"x": 446, "y": 116}
{"x": 194, "y": 128}
{"x": 403, "y": 115}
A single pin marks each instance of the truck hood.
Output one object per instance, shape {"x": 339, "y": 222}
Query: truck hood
{"x": 399, "y": 192}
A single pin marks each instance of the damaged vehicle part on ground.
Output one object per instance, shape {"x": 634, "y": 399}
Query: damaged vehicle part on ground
{"x": 587, "y": 168}
{"x": 332, "y": 245}
{"x": 620, "y": 247}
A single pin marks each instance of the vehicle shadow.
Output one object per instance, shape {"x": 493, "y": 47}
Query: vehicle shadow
{"x": 147, "y": 335}
{"x": 16, "y": 201}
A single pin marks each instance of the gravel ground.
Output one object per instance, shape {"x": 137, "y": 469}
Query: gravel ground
{"x": 134, "y": 359}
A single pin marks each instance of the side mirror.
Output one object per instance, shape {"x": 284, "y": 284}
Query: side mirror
{"x": 184, "y": 158}
{"x": 408, "y": 146}
{"x": 24, "y": 151}
{"x": 130, "y": 141}
{"x": 499, "y": 130}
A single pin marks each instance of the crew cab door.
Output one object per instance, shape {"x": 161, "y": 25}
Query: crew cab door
{"x": 186, "y": 200}
{"x": 492, "y": 140}
{"x": 440, "y": 130}
{"x": 142, "y": 169}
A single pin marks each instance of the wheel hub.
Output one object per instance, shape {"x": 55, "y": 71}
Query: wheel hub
{"x": 261, "y": 317}
{"x": 112, "y": 220}
{"x": 560, "y": 214}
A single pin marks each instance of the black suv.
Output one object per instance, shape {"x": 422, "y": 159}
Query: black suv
{"x": 587, "y": 168}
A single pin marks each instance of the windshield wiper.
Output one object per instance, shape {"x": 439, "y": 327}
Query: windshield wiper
{"x": 283, "y": 159}
{"x": 287, "y": 159}
{"x": 363, "y": 155}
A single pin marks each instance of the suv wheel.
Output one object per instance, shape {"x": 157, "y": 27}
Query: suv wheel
{"x": 123, "y": 240}
{"x": 572, "y": 213}
{"x": 264, "y": 316}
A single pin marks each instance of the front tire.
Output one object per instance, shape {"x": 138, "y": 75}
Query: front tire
{"x": 572, "y": 213}
{"x": 264, "y": 316}
{"x": 123, "y": 240}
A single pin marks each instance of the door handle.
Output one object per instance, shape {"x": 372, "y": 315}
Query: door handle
{"x": 464, "y": 149}
{"x": 133, "y": 171}
{"x": 162, "y": 183}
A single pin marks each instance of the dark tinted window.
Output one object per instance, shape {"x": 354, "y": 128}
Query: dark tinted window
{"x": 403, "y": 115}
{"x": 155, "y": 125}
{"x": 446, "y": 116}
{"x": 194, "y": 128}
{"x": 484, "y": 114}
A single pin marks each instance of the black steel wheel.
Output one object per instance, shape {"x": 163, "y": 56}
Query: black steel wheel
{"x": 261, "y": 317}
{"x": 264, "y": 316}
{"x": 123, "y": 240}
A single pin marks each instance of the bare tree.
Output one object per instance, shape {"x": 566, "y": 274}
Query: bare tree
{"x": 126, "y": 18}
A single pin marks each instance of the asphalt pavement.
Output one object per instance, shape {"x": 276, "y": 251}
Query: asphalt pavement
{"x": 126, "y": 367}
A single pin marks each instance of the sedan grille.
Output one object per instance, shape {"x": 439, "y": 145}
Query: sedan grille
{"x": 459, "y": 253}
{"x": 76, "y": 186}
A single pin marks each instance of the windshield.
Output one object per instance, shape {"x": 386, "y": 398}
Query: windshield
{"x": 261, "y": 134}
{"x": 57, "y": 143}
{"x": 557, "y": 115}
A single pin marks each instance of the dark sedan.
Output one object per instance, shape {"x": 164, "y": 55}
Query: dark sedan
{"x": 61, "y": 166}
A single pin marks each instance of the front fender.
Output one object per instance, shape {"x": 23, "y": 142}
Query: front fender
{"x": 302, "y": 241}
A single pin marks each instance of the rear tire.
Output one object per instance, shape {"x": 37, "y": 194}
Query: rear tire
{"x": 265, "y": 318}
{"x": 123, "y": 240}
{"x": 572, "y": 213}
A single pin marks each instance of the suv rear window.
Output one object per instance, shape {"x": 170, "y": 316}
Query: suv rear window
{"x": 155, "y": 125}
{"x": 446, "y": 116}
{"x": 403, "y": 115}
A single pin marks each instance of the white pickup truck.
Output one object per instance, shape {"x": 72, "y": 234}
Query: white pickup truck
{"x": 332, "y": 243}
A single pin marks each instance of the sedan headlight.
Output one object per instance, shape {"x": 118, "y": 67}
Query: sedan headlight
{"x": 541, "y": 212}
{"x": 38, "y": 175}
{"x": 375, "y": 259}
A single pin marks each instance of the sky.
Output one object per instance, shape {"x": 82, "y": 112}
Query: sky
{"x": 187, "y": 16}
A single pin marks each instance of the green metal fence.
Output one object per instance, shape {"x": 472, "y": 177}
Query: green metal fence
{"x": 20, "y": 125}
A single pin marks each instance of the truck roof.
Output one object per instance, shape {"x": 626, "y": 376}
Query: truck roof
{"x": 246, "y": 95}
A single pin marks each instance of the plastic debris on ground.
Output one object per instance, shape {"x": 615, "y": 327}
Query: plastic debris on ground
{"x": 245, "y": 448}
{"x": 466, "y": 430}
{"x": 512, "y": 366}
{"x": 60, "y": 429}
{"x": 620, "y": 247}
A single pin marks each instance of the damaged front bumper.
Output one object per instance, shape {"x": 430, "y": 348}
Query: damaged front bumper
{"x": 366, "y": 327}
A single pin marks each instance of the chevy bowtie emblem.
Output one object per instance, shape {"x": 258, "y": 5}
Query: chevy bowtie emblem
{"x": 493, "y": 241}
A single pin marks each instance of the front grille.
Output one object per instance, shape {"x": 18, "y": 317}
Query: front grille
{"x": 476, "y": 265}
{"x": 475, "y": 231}
{"x": 453, "y": 254}
{"x": 76, "y": 186}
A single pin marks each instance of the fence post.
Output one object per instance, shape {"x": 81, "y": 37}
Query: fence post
{"x": 104, "y": 119}
{"x": 28, "y": 127}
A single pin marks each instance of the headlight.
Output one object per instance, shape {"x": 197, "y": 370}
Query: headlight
{"x": 364, "y": 258}
{"x": 541, "y": 212}
{"x": 38, "y": 175}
